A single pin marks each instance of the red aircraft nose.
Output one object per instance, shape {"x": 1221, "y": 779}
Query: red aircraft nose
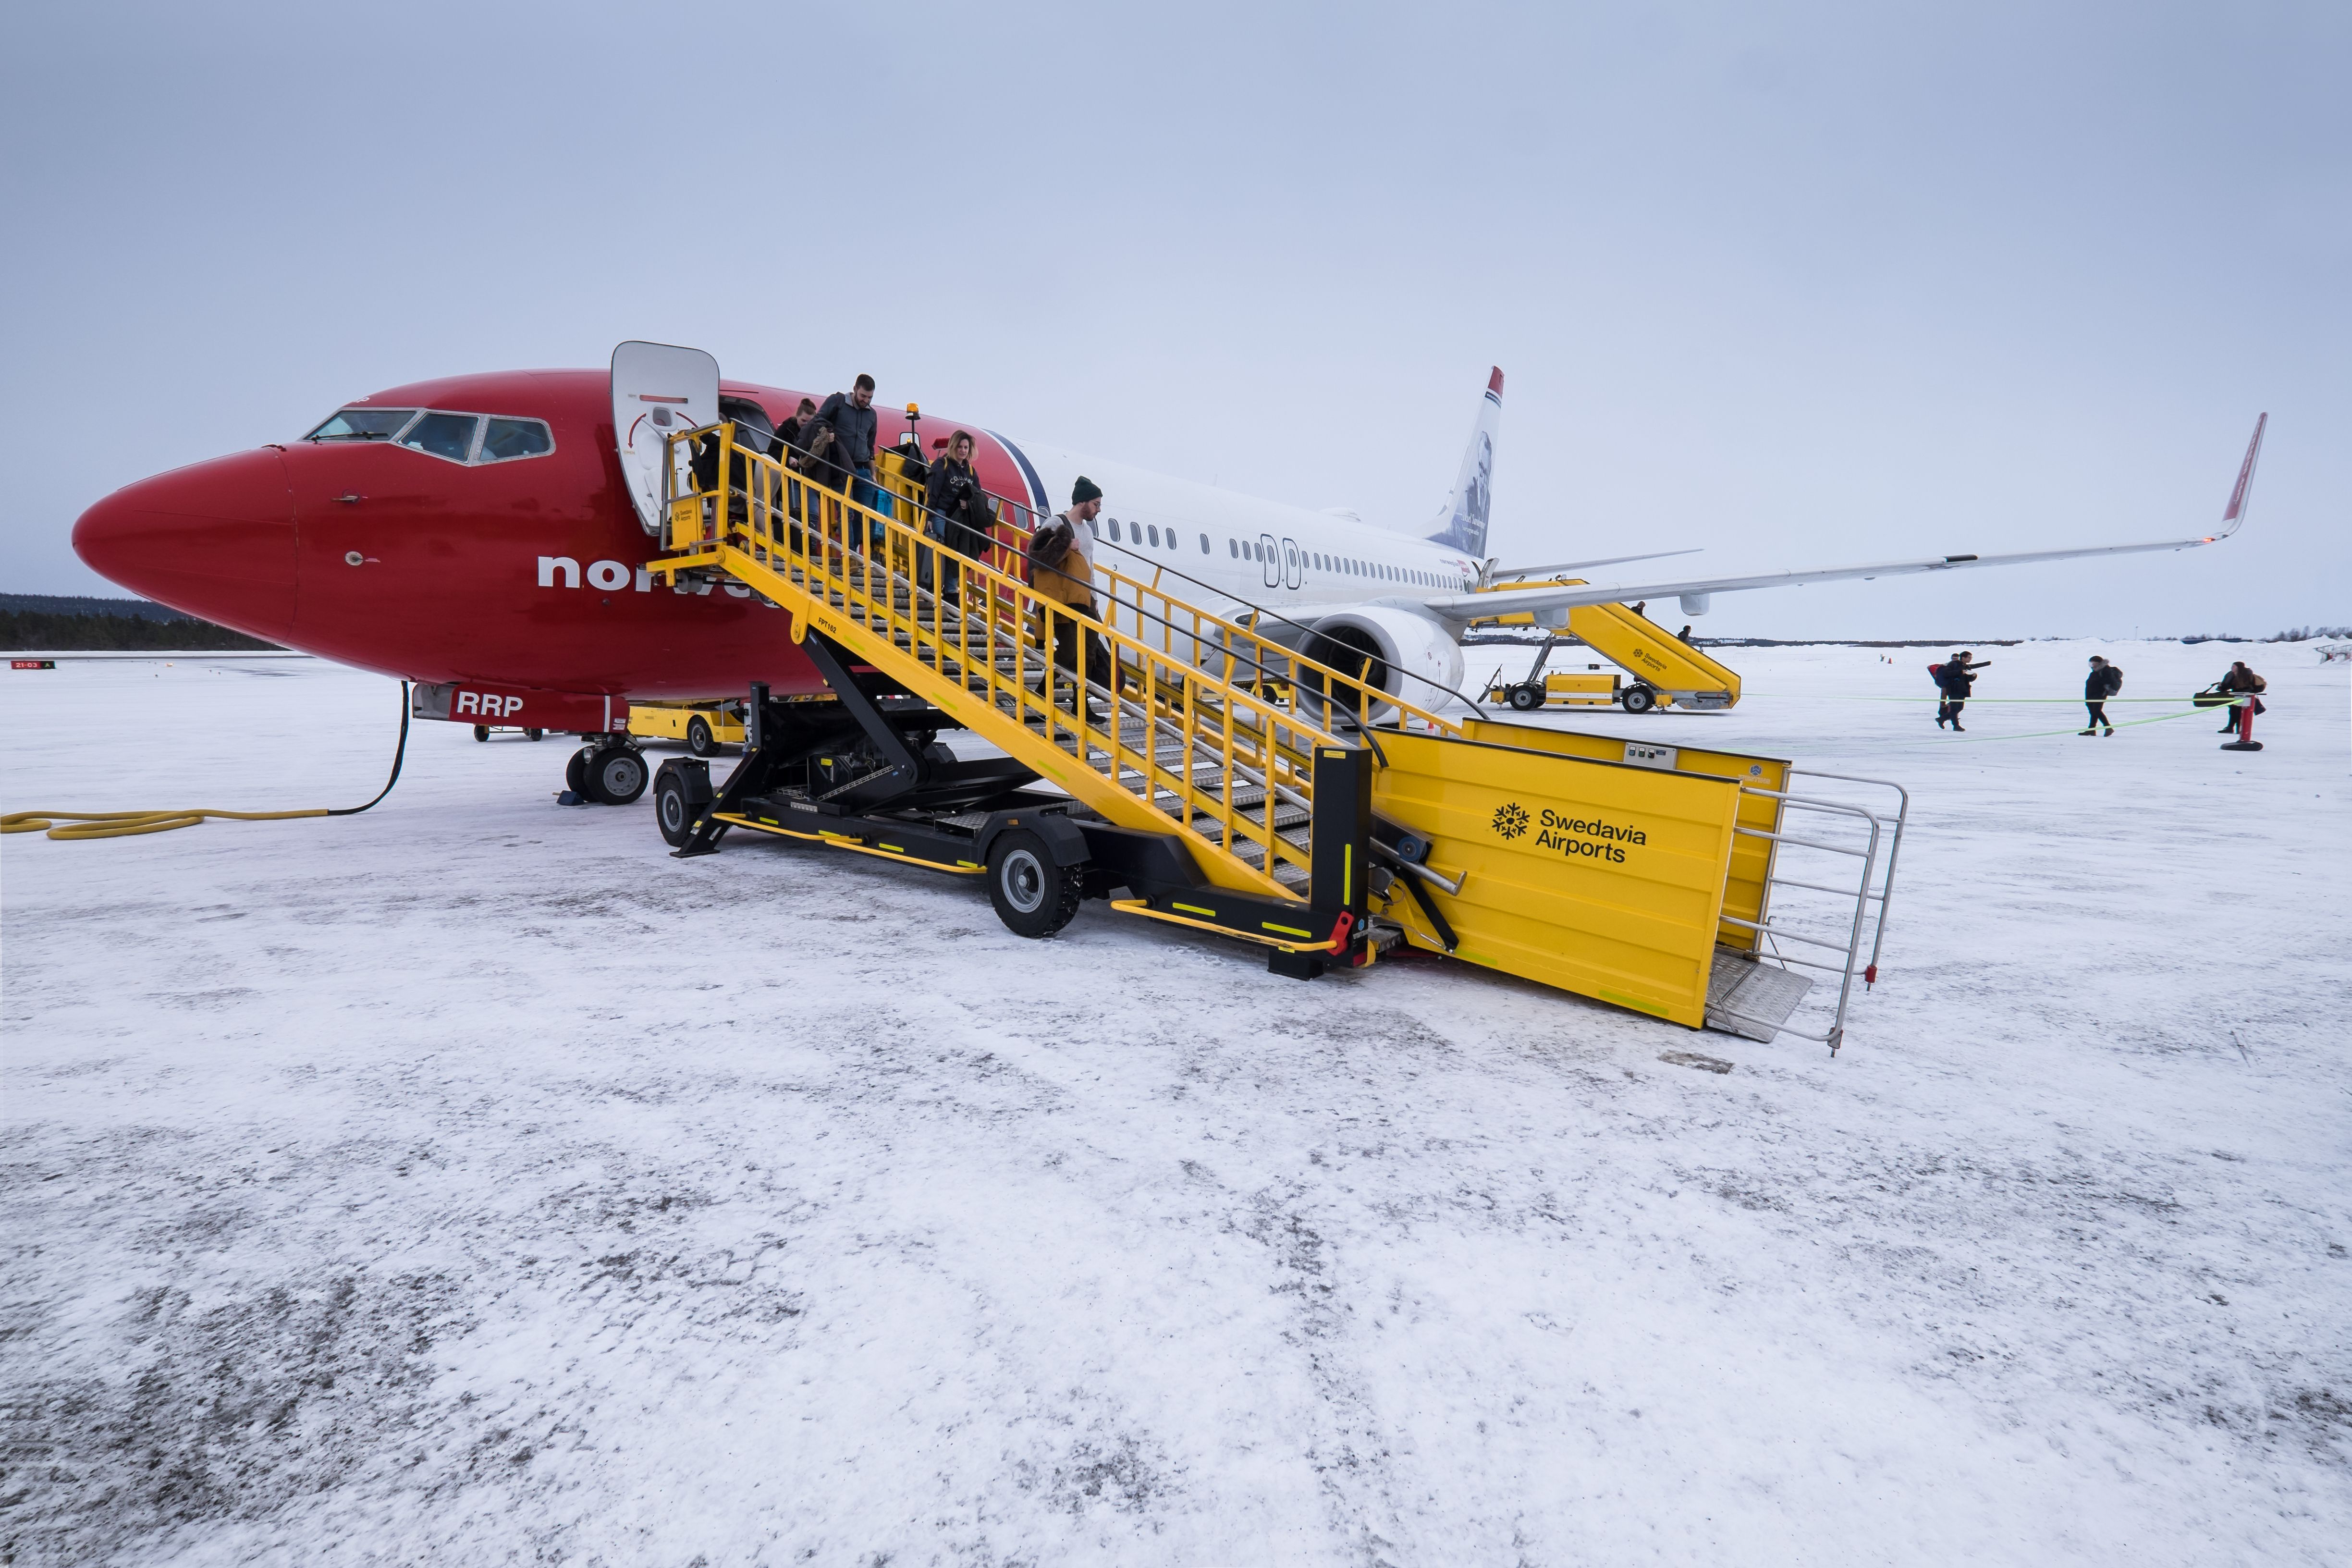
{"x": 215, "y": 538}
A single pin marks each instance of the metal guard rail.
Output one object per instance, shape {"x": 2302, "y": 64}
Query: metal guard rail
{"x": 1260, "y": 732}
{"x": 1869, "y": 889}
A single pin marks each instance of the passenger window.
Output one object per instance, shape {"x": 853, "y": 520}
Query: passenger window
{"x": 363, "y": 425}
{"x": 1233, "y": 549}
{"x": 1153, "y": 529}
{"x": 1204, "y": 544}
{"x": 449, "y": 436}
{"x": 1114, "y": 530}
{"x": 508, "y": 438}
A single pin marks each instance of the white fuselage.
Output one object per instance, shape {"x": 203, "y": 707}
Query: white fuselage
{"x": 1246, "y": 549}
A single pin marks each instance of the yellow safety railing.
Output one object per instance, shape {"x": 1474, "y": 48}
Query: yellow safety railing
{"x": 1154, "y": 615}
{"x": 1209, "y": 726}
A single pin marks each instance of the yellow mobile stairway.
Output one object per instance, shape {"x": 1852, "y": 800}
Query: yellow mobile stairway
{"x": 1664, "y": 668}
{"x": 1193, "y": 770}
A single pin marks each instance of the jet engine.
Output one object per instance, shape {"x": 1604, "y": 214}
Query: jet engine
{"x": 1409, "y": 656}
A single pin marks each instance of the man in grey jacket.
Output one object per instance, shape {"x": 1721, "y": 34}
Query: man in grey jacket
{"x": 851, "y": 418}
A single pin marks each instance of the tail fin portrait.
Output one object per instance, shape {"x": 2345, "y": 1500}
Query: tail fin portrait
{"x": 1463, "y": 523}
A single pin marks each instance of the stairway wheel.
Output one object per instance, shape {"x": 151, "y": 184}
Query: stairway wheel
{"x": 1033, "y": 896}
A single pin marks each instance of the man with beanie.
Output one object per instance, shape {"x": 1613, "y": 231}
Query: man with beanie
{"x": 1061, "y": 570}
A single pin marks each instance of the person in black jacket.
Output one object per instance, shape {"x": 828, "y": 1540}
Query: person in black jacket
{"x": 2104, "y": 681}
{"x": 1955, "y": 677}
{"x": 2242, "y": 679}
{"x": 955, "y": 513}
{"x": 786, "y": 448}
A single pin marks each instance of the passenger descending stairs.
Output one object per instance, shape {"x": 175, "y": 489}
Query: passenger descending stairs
{"x": 1207, "y": 730}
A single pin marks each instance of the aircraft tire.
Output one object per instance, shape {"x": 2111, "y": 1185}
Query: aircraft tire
{"x": 1526, "y": 699}
{"x": 698, "y": 737}
{"x": 1034, "y": 897}
{"x": 615, "y": 774}
{"x": 672, "y": 811}
{"x": 482, "y": 732}
{"x": 575, "y": 772}
{"x": 1639, "y": 699}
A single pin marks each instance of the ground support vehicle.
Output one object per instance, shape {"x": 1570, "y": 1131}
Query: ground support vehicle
{"x": 1666, "y": 670}
{"x": 483, "y": 731}
{"x": 703, "y": 726}
{"x": 1589, "y": 688}
{"x": 1196, "y": 771}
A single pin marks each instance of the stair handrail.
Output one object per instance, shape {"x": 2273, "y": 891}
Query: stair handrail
{"x": 1285, "y": 658}
{"x": 834, "y": 532}
{"x": 1262, "y": 612}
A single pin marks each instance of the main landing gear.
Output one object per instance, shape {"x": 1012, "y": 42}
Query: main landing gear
{"x": 608, "y": 770}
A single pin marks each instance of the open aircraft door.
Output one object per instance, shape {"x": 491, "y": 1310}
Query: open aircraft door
{"x": 658, "y": 388}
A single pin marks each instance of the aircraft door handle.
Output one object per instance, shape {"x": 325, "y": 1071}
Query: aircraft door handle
{"x": 349, "y": 499}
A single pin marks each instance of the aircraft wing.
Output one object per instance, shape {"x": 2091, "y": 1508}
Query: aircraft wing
{"x": 1517, "y": 601}
{"x": 1504, "y": 573}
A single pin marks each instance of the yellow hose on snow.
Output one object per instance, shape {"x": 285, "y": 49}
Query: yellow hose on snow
{"x": 124, "y": 823}
{"x": 74, "y": 825}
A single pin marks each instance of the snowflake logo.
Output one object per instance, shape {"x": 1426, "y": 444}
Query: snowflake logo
{"x": 1510, "y": 819}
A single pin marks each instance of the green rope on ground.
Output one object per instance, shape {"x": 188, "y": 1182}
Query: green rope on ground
{"x": 2056, "y": 701}
{"x": 1966, "y": 738}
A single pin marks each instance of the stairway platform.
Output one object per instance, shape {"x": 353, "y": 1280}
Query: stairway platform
{"x": 1751, "y": 999}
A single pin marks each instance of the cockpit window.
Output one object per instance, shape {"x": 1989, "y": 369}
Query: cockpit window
{"x": 502, "y": 438}
{"x": 508, "y": 438}
{"x": 363, "y": 425}
{"x": 449, "y": 436}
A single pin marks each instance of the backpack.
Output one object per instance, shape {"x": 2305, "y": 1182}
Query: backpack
{"x": 1935, "y": 673}
{"x": 2114, "y": 681}
{"x": 1050, "y": 544}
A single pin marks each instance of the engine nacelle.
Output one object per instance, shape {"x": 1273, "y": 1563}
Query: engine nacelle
{"x": 1409, "y": 656}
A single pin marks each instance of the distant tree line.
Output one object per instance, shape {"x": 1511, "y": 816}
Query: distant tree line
{"x": 2303, "y": 634}
{"x": 40, "y": 622}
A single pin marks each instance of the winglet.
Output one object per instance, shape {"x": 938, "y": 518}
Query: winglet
{"x": 2237, "y": 512}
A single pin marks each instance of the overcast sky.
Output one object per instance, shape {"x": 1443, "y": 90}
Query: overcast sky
{"x": 1802, "y": 284}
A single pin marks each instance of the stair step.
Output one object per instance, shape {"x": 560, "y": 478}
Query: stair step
{"x": 984, "y": 652}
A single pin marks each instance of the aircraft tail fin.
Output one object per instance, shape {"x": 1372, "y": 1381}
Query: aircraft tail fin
{"x": 1463, "y": 523}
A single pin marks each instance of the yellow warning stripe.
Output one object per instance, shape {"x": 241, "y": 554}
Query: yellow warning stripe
{"x": 843, "y": 841}
{"x": 1138, "y": 906}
